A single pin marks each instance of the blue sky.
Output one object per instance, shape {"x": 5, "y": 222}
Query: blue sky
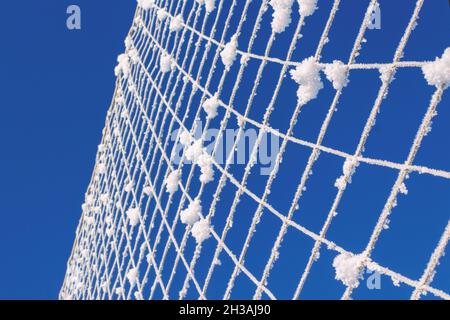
{"x": 57, "y": 87}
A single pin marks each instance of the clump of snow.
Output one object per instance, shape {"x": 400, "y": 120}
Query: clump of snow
{"x": 128, "y": 42}
{"x": 185, "y": 138}
{"x": 123, "y": 65}
{"x": 201, "y": 230}
{"x": 228, "y": 54}
{"x": 165, "y": 63}
{"x": 148, "y": 191}
{"x": 124, "y": 114}
{"x": 101, "y": 169}
{"x": 337, "y": 73}
{"x": 161, "y": 14}
{"x": 307, "y": 75}
{"x": 134, "y": 55}
{"x": 101, "y": 148}
{"x": 194, "y": 151}
{"x": 348, "y": 169}
{"x": 307, "y": 7}
{"x": 437, "y": 73}
{"x": 244, "y": 59}
{"x": 133, "y": 215}
{"x": 198, "y": 155}
{"x": 349, "y": 268}
{"x": 146, "y": 4}
{"x": 386, "y": 73}
{"x": 129, "y": 186}
{"x": 403, "y": 189}
{"x": 205, "y": 164}
{"x": 210, "y": 106}
{"x": 172, "y": 182}
{"x": 191, "y": 214}
{"x": 210, "y": 5}
{"x": 110, "y": 231}
{"x": 177, "y": 23}
{"x": 281, "y": 17}
{"x": 104, "y": 198}
{"x": 132, "y": 275}
{"x": 119, "y": 291}
{"x": 89, "y": 220}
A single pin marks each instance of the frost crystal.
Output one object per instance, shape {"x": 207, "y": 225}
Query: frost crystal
{"x": 205, "y": 164}
{"x": 210, "y": 106}
{"x": 228, "y": 54}
{"x": 281, "y": 17}
{"x": 161, "y": 14}
{"x": 145, "y": 4}
{"x": 201, "y": 230}
{"x": 165, "y": 63}
{"x": 123, "y": 65}
{"x": 386, "y": 73}
{"x": 132, "y": 275}
{"x": 307, "y": 75}
{"x": 133, "y": 215}
{"x": 185, "y": 138}
{"x": 209, "y": 4}
{"x": 437, "y": 73}
{"x": 129, "y": 186}
{"x": 191, "y": 214}
{"x": 348, "y": 170}
{"x": 147, "y": 191}
{"x": 134, "y": 55}
{"x": 349, "y": 268}
{"x": 172, "y": 182}
{"x": 337, "y": 73}
{"x": 307, "y": 7}
{"x": 177, "y": 23}
{"x": 194, "y": 151}
{"x": 119, "y": 291}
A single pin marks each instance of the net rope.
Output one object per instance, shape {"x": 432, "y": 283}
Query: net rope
{"x": 116, "y": 258}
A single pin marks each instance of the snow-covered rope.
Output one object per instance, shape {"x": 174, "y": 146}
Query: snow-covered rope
{"x": 139, "y": 197}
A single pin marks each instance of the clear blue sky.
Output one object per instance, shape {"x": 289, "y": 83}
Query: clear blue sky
{"x": 57, "y": 85}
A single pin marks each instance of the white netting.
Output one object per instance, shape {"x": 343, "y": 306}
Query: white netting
{"x": 150, "y": 228}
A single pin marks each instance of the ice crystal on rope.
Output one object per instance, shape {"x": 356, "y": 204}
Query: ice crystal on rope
{"x": 337, "y": 73}
{"x": 201, "y": 230}
{"x": 348, "y": 169}
{"x": 307, "y": 75}
{"x": 209, "y": 5}
{"x": 177, "y": 23}
{"x": 172, "y": 182}
{"x": 281, "y": 17}
{"x": 210, "y": 106}
{"x": 161, "y": 14}
{"x": 123, "y": 65}
{"x": 348, "y": 268}
{"x": 133, "y": 215}
{"x": 198, "y": 155}
{"x": 307, "y": 7}
{"x": 132, "y": 275}
{"x": 192, "y": 213}
{"x": 437, "y": 73}
{"x": 229, "y": 53}
{"x": 146, "y": 4}
{"x": 165, "y": 63}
